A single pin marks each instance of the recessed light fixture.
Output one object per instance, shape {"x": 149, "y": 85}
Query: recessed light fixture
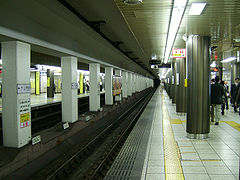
{"x": 132, "y": 2}
{"x": 228, "y": 60}
{"x": 196, "y": 8}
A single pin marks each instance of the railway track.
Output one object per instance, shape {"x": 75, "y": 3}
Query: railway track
{"x": 95, "y": 158}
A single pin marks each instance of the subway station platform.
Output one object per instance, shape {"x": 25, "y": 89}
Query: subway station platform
{"x": 42, "y": 99}
{"x": 158, "y": 148}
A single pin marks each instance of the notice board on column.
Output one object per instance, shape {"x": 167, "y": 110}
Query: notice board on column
{"x": 24, "y": 107}
{"x": 117, "y": 85}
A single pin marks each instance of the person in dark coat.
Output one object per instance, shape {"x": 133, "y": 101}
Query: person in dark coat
{"x": 224, "y": 103}
{"x": 217, "y": 93}
{"x": 237, "y": 100}
{"x": 233, "y": 93}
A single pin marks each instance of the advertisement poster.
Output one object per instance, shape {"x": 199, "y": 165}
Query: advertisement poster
{"x": 117, "y": 85}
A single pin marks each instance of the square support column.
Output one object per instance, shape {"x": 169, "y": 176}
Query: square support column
{"x": 118, "y": 72}
{"x": 94, "y": 99}
{"x": 16, "y": 100}
{"x": 108, "y": 86}
{"x": 129, "y": 84}
{"x": 69, "y": 89}
{"x": 125, "y": 85}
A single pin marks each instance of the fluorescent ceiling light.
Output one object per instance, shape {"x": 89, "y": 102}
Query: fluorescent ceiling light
{"x": 228, "y": 60}
{"x": 196, "y": 8}
{"x": 176, "y": 17}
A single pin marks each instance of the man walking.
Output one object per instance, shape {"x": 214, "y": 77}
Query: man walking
{"x": 217, "y": 92}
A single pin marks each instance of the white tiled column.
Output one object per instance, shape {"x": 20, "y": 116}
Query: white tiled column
{"x": 118, "y": 72}
{"x": 108, "y": 85}
{"x": 94, "y": 99}
{"x": 129, "y": 91}
{"x": 69, "y": 89}
{"x": 16, "y": 100}
{"x": 133, "y": 83}
{"x": 125, "y": 84}
{"x": 137, "y": 83}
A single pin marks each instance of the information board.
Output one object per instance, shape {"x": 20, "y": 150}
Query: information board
{"x": 24, "y": 112}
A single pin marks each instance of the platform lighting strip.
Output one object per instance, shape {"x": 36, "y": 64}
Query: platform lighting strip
{"x": 176, "y": 17}
{"x": 228, "y": 60}
{"x": 196, "y": 8}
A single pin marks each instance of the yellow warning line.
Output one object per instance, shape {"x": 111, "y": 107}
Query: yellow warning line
{"x": 233, "y": 124}
{"x": 172, "y": 164}
{"x": 205, "y": 160}
{"x": 177, "y": 121}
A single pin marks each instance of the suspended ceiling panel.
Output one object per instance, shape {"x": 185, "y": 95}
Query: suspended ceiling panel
{"x": 149, "y": 22}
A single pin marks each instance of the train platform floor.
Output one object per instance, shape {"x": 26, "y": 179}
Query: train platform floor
{"x": 158, "y": 148}
{"x": 42, "y": 99}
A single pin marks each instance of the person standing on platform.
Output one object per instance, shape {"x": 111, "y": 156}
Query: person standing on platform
{"x": 237, "y": 100}
{"x": 224, "y": 104}
{"x": 217, "y": 93}
{"x": 233, "y": 93}
{"x": 227, "y": 93}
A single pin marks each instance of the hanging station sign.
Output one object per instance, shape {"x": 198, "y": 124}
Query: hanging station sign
{"x": 178, "y": 53}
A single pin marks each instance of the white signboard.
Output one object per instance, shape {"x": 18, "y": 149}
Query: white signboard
{"x": 172, "y": 79}
{"x": 65, "y": 125}
{"x": 23, "y": 88}
{"x": 24, "y": 106}
{"x": 36, "y": 139}
{"x": 178, "y": 53}
{"x": 177, "y": 79}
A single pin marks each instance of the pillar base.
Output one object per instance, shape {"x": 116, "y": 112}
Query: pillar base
{"x": 197, "y": 136}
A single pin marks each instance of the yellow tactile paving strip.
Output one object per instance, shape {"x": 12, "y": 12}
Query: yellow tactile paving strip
{"x": 233, "y": 124}
{"x": 172, "y": 163}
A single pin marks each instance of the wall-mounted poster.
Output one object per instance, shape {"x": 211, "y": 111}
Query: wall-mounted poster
{"x": 117, "y": 85}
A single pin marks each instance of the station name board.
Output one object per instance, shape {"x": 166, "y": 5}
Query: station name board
{"x": 178, "y": 53}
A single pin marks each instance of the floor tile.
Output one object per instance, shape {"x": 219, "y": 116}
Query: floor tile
{"x": 155, "y": 177}
{"x": 218, "y": 170}
{"x": 213, "y": 163}
{"x": 155, "y": 163}
{"x": 208, "y": 156}
{"x": 155, "y": 169}
{"x": 222, "y": 177}
{"x": 192, "y": 163}
{"x": 196, "y": 177}
{"x": 194, "y": 170}
{"x": 231, "y": 162}
{"x": 190, "y": 156}
{"x": 228, "y": 156}
{"x": 234, "y": 169}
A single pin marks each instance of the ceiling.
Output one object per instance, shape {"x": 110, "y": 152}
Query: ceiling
{"x": 142, "y": 28}
{"x": 148, "y": 22}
